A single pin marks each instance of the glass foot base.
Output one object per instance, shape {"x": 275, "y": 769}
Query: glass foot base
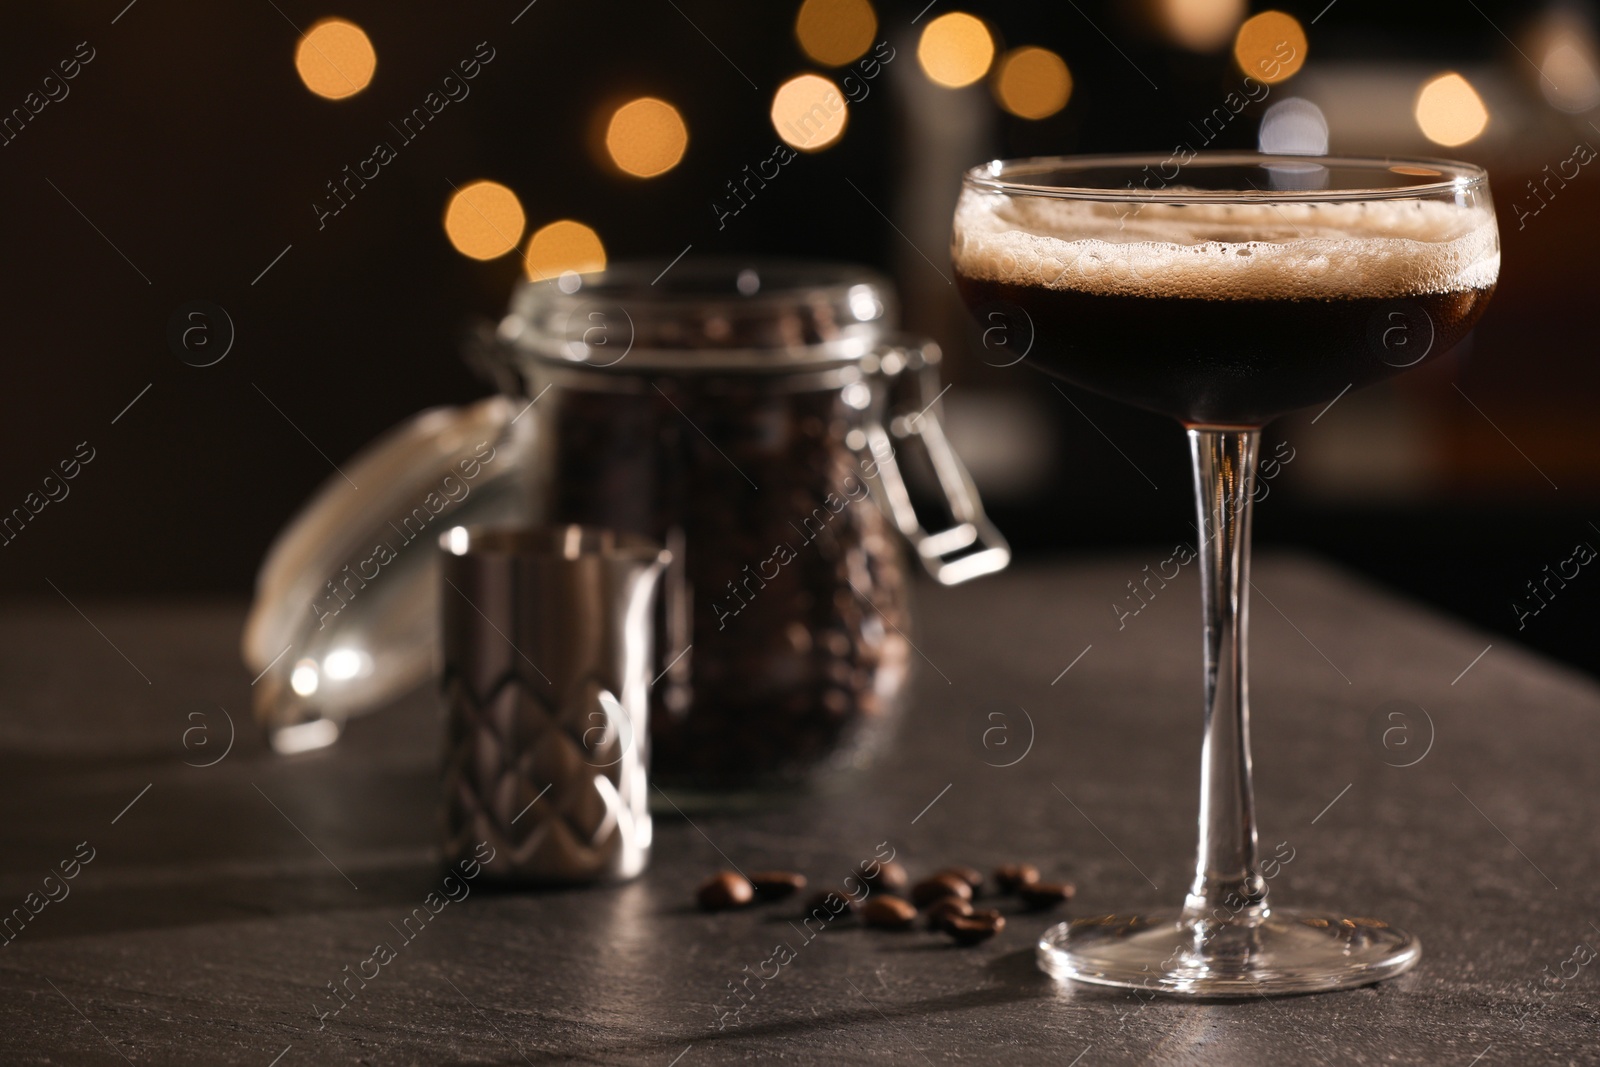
{"x": 1285, "y": 951}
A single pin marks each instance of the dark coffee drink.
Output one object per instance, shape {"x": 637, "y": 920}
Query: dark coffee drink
{"x": 1223, "y": 315}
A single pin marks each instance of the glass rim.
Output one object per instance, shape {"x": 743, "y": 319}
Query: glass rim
{"x": 555, "y": 543}
{"x": 804, "y": 315}
{"x": 999, "y": 176}
{"x": 707, "y": 280}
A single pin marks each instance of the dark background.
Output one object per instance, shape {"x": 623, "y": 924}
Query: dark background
{"x": 188, "y": 155}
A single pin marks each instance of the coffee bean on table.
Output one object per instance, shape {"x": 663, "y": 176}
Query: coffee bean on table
{"x": 888, "y": 877}
{"x": 929, "y": 890}
{"x": 979, "y": 926}
{"x": 775, "y": 885}
{"x": 1037, "y": 896}
{"x": 970, "y": 875}
{"x": 888, "y": 913}
{"x": 1011, "y": 877}
{"x": 945, "y": 909}
{"x": 724, "y": 890}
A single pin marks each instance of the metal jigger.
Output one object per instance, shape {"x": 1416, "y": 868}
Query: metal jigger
{"x": 547, "y": 650}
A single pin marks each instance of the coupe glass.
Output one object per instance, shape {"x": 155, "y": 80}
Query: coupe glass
{"x": 1225, "y": 290}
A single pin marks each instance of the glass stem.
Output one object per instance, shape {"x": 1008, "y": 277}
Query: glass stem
{"x": 1227, "y": 881}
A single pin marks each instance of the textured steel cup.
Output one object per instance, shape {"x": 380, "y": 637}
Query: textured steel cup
{"x": 547, "y": 636}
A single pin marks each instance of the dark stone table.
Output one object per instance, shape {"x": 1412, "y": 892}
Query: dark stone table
{"x": 221, "y": 900}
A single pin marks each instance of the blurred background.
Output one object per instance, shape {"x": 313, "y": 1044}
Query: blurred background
{"x": 153, "y": 156}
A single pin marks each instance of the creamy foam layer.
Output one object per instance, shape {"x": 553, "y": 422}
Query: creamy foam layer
{"x": 1385, "y": 248}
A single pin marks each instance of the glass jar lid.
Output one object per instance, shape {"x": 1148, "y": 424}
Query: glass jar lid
{"x": 702, "y": 315}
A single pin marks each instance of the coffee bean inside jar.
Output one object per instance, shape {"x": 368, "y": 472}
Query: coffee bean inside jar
{"x": 740, "y": 416}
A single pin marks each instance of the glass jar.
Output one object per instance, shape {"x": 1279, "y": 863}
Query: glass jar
{"x": 753, "y": 419}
